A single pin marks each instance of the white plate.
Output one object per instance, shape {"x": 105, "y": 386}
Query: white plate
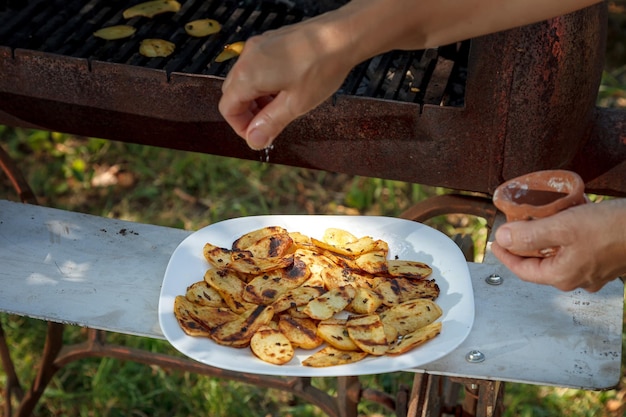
{"x": 407, "y": 240}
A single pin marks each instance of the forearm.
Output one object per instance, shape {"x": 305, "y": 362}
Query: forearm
{"x": 372, "y": 27}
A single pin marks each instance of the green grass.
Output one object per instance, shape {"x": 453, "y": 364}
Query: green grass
{"x": 187, "y": 190}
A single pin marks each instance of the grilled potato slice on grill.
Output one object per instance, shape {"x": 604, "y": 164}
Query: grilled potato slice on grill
{"x": 182, "y": 309}
{"x": 237, "y": 333}
{"x": 414, "y": 339}
{"x": 411, "y": 315}
{"x": 230, "y": 51}
{"x": 265, "y": 288}
{"x": 368, "y": 334}
{"x": 271, "y": 345}
{"x": 203, "y": 294}
{"x": 152, "y": 8}
{"x": 334, "y": 332}
{"x": 155, "y": 48}
{"x": 297, "y": 297}
{"x": 408, "y": 269}
{"x": 397, "y": 290}
{"x": 202, "y": 27}
{"x": 330, "y": 356}
{"x": 115, "y": 32}
{"x": 301, "y": 332}
{"x": 230, "y": 287}
{"x": 329, "y": 303}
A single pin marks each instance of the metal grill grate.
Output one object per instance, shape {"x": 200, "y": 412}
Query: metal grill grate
{"x": 66, "y": 27}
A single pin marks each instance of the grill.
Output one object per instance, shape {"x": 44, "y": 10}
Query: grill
{"x": 65, "y": 28}
{"x": 465, "y": 116}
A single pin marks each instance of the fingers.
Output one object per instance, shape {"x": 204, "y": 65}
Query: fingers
{"x": 527, "y": 269}
{"x": 269, "y": 122}
{"x": 536, "y": 235}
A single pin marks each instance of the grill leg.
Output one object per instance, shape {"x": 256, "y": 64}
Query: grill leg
{"x": 47, "y": 369}
{"x": 13, "y": 386}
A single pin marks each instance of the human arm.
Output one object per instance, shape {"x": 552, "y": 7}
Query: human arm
{"x": 285, "y": 73}
{"x": 592, "y": 246}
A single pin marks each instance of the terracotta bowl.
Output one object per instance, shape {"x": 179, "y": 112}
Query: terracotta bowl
{"x": 539, "y": 194}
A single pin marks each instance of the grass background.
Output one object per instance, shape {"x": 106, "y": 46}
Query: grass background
{"x": 188, "y": 190}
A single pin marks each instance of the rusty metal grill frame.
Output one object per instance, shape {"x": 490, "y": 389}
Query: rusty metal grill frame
{"x": 528, "y": 104}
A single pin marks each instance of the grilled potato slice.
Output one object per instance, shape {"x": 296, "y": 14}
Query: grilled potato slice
{"x": 115, "y": 32}
{"x": 265, "y": 288}
{"x": 152, "y": 8}
{"x": 230, "y": 51}
{"x": 330, "y": 356}
{"x": 316, "y": 262}
{"x": 209, "y": 317}
{"x": 230, "y": 287}
{"x": 368, "y": 334}
{"x": 411, "y": 315}
{"x": 297, "y": 297}
{"x": 337, "y": 277}
{"x": 272, "y": 346}
{"x": 238, "y": 333}
{"x": 301, "y": 240}
{"x": 408, "y": 269}
{"x": 397, "y": 290}
{"x": 414, "y": 339}
{"x": 202, "y": 27}
{"x": 216, "y": 256}
{"x": 265, "y": 242}
{"x": 335, "y": 333}
{"x": 360, "y": 246}
{"x": 301, "y": 332}
{"x": 245, "y": 262}
{"x": 203, "y": 294}
{"x": 374, "y": 262}
{"x": 329, "y": 303}
{"x": 190, "y": 326}
{"x": 366, "y": 301}
{"x": 154, "y": 48}
{"x": 338, "y": 237}
{"x": 297, "y": 312}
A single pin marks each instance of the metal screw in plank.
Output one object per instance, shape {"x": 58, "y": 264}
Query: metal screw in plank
{"x": 494, "y": 279}
{"x": 475, "y": 356}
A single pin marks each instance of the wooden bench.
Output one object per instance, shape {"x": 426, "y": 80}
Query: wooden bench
{"x": 105, "y": 274}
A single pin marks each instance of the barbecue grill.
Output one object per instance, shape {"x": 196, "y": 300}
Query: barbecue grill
{"x": 465, "y": 116}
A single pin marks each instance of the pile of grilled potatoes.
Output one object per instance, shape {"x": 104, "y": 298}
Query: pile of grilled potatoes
{"x": 274, "y": 291}
{"x": 154, "y": 48}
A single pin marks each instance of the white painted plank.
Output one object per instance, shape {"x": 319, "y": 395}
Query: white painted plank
{"x": 536, "y": 334}
{"x": 81, "y": 269}
{"x": 106, "y": 274}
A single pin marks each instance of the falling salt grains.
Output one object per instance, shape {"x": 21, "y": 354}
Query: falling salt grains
{"x": 265, "y": 157}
